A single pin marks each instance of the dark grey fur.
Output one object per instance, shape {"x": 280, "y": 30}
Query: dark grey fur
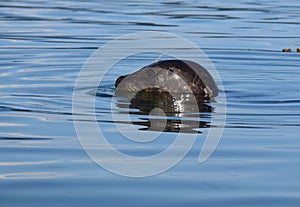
{"x": 174, "y": 76}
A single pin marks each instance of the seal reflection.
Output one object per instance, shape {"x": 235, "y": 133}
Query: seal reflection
{"x": 161, "y": 111}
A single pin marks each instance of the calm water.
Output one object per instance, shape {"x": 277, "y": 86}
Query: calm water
{"x": 43, "y": 46}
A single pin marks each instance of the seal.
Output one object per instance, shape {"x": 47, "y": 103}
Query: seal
{"x": 173, "y": 76}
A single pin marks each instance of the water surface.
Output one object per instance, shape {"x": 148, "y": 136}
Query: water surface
{"x": 43, "y": 46}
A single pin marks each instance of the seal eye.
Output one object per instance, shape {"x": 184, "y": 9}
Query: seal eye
{"x": 170, "y": 71}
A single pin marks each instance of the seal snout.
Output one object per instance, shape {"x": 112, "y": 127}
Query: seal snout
{"x": 118, "y": 81}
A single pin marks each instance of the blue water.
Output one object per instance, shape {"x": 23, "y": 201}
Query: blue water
{"x": 43, "y": 46}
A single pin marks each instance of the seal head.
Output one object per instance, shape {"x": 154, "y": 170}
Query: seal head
{"x": 174, "y": 76}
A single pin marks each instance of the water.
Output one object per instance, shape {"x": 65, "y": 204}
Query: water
{"x": 43, "y": 46}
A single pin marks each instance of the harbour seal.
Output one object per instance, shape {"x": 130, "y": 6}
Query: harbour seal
{"x": 174, "y": 76}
